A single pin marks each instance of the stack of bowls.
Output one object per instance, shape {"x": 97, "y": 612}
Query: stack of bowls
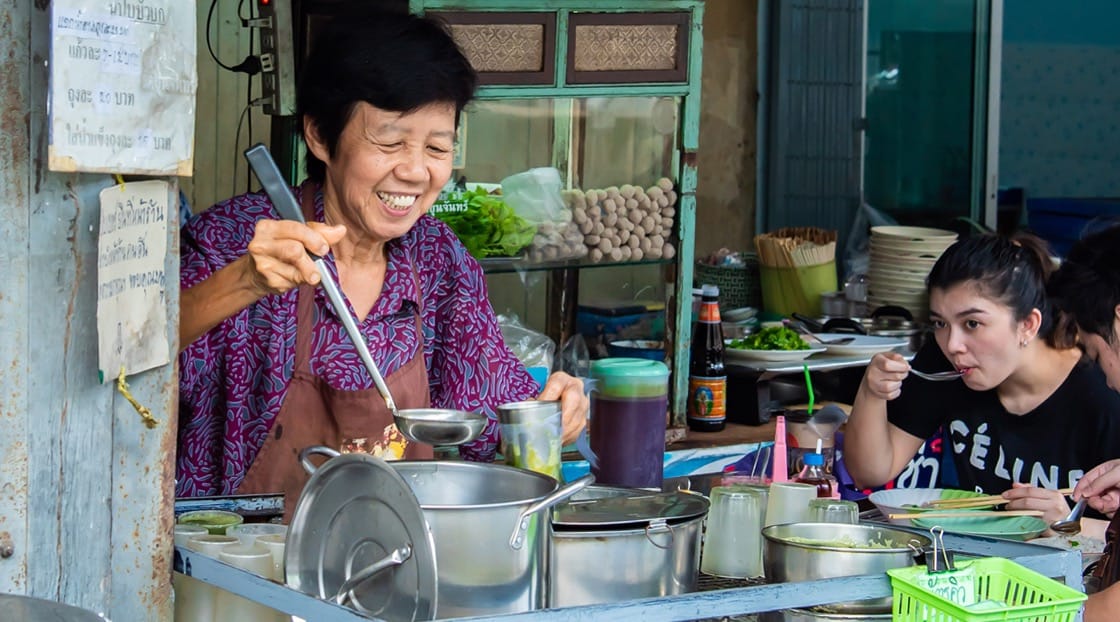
{"x": 901, "y": 258}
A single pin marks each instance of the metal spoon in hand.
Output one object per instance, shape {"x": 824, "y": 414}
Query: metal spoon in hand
{"x": 1070, "y": 525}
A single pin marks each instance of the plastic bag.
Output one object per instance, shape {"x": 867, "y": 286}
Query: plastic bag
{"x": 535, "y": 195}
{"x": 535, "y": 350}
{"x": 857, "y": 252}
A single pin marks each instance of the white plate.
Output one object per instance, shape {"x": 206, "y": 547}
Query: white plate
{"x": 770, "y": 356}
{"x": 863, "y": 344}
{"x": 912, "y": 233}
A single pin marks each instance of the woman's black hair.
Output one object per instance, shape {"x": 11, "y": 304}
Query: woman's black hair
{"x": 1013, "y": 270}
{"x": 391, "y": 60}
{"x": 1087, "y": 286}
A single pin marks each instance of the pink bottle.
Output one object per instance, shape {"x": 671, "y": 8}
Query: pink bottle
{"x": 780, "y": 470}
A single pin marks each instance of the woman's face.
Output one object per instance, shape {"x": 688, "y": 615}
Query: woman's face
{"x": 387, "y": 169}
{"x": 1106, "y": 354}
{"x": 978, "y": 335}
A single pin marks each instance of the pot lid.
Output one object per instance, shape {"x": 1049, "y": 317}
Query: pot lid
{"x": 354, "y": 512}
{"x": 604, "y": 506}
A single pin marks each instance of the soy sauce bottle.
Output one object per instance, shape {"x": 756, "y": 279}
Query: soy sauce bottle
{"x": 707, "y": 379}
{"x": 814, "y": 474}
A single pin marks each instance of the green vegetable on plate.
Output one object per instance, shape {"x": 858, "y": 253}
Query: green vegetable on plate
{"x": 771, "y": 338}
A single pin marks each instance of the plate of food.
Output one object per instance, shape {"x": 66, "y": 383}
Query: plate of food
{"x": 914, "y": 500}
{"x": 773, "y": 344}
{"x": 1007, "y": 527}
{"x": 1091, "y": 548}
{"x": 861, "y": 345}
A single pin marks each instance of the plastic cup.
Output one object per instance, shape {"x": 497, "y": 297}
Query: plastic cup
{"x": 833, "y": 511}
{"x": 257, "y": 560}
{"x": 275, "y": 544}
{"x": 531, "y": 435}
{"x": 733, "y": 538}
{"x": 789, "y": 503}
{"x": 248, "y": 533}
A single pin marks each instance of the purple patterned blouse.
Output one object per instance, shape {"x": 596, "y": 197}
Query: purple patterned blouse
{"x": 232, "y": 380}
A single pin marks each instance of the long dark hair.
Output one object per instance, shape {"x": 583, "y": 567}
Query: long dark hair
{"x": 391, "y": 60}
{"x": 1012, "y": 270}
{"x": 1087, "y": 286}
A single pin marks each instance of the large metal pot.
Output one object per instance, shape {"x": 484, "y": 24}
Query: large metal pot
{"x": 614, "y": 544}
{"x": 810, "y": 551}
{"x": 418, "y": 540}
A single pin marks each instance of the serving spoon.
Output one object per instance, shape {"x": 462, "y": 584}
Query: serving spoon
{"x": 1071, "y": 524}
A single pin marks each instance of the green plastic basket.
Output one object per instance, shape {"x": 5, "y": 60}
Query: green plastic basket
{"x": 1029, "y": 595}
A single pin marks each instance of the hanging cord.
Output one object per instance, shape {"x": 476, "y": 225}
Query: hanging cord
{"x": 145, "y": 414}
{"x": 251, "y": 65}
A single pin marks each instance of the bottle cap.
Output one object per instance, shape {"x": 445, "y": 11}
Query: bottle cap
{"x": 814, "y": 459}
{"x": 709, "y": 290}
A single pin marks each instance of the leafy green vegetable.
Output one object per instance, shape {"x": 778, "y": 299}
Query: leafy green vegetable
{"x": 772, "y": 338}
{"x": 486, "y": 225}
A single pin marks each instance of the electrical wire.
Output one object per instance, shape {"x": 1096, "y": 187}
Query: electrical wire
{"x": 209, "y": 46}
{"x": 237, "y": 143}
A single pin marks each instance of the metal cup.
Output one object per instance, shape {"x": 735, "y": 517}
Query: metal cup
{"x": 531, "y": 435}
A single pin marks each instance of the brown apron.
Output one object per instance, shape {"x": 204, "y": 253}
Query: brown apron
{"x": 1106, "y": 571}
{"x": 314, "y": 413}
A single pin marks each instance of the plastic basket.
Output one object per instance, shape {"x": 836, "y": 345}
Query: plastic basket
{"x": 739, "y": 286}
{"x": 1029, "y": 595}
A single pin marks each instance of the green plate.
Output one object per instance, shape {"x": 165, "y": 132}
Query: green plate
{"x": 1010, "y": 527}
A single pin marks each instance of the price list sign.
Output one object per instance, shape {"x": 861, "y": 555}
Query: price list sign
{"x": 122, "y": 86}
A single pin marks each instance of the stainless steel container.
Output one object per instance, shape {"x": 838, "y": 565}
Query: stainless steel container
{"x": 810, "y": 551}
{"x": 476, "y": 512}
{"x": 614, "y": 544}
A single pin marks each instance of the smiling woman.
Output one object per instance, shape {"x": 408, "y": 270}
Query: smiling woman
{"x": 267, "y": 367}
{"x": 1027, "y": 417}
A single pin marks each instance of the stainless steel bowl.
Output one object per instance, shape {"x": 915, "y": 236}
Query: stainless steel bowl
{"x": 440, "y": 426}
{"x": 810, "y": 551}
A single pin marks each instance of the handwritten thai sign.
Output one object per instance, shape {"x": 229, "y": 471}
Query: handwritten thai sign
{"x": 131, "y": 282}
{"x": 122, "y": 86}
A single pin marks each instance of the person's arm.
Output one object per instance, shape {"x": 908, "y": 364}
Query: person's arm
{"x": 875, "y": 450}
{"x": 1102, "y": 606}
{"x": 276, "y": 261}
{"x": 1101, "y": 487}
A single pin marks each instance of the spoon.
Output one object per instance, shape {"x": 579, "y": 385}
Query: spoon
{"x": 269, "y": 175}
{"x": 1070, "y": 525}
{"x": 940, "y": 376}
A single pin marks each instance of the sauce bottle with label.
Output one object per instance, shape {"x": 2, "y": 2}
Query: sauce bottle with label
{"x": 813, "y": 473}
{"x": 707, "y": 379}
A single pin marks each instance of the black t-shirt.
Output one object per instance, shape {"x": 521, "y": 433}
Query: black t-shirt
{"x": 1072, "y": 431}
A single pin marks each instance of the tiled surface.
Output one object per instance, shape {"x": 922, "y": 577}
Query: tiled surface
{"x": 1060, "y": 120}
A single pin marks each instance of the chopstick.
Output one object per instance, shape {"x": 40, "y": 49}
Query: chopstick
{"x": 967, "y": 502}
{"x": 968, "y": 514}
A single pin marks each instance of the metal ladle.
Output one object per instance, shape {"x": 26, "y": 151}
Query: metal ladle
{"x": 434, "y": 426}
{"x": 1071, "y": 524}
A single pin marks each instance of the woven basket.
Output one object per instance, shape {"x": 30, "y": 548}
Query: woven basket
{"x": 739, "y": 286}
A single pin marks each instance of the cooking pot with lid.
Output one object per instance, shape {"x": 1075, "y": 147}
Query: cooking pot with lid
{"x": 422, "y": 539}
{"x": 612, "y": 544}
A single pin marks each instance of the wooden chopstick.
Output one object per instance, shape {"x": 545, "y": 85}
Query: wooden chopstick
{"x": 968, "y": 514}
{"x": 971, "y": 501}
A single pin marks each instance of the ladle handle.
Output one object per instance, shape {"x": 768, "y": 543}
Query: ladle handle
{"x": 518, "y": 538}
{"x": 260, "y": 160}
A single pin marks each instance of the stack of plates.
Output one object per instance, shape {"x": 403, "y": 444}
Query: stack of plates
{"x": 901, "y": 258}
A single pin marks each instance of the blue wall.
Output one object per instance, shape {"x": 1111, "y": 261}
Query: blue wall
{"x": 1078, "y": 22}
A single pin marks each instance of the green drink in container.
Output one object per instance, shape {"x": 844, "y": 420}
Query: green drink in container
{"x": 629, "y": 411}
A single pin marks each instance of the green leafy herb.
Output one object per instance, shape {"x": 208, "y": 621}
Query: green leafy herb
{"x": 487, "y": 226}
{"x": 772, "y": 338}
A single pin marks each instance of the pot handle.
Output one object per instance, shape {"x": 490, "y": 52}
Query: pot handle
{"x": 657, "y": 527}
{"x": 306, "y": 453}
{"x": 518, "y": 538}
{"x": 396, "y": 558}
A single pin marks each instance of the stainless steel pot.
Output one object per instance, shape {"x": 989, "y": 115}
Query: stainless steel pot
{"x": 614, "y": 544}
{"x": 810, "y": 551}
{"x": 488, "y": 525}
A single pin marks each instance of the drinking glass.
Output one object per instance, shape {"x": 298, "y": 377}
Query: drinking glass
{"x": 733, "y": 537}
{"x": 248, "y": 533}
{"x": 833, "y": 511}
{"x": 789, "y": 503}
{"x": 531, "y": 434}
{"x": 257, "y": 560}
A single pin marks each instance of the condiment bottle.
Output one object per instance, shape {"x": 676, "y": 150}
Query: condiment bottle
{"x": 813, "y": 473}
{"x": 707, "y": 379}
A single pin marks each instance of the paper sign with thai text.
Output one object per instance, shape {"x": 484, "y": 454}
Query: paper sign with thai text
{"x": 122, "y": 86}
{"x": 131, "y": 282}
